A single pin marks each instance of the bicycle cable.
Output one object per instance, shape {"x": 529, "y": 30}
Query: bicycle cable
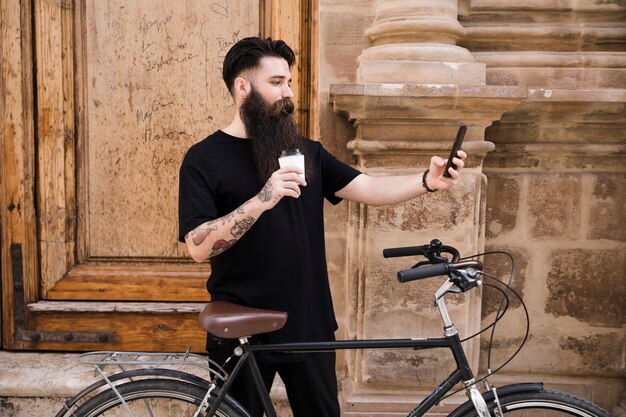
{"x": 506, "y": 302}
{"x": 500, "y": 307}
{"x": 508, "y": 285}
{"x": 490, "y": 373}
{"x": 526, "y": 333}
{"x": 498, "y": 316}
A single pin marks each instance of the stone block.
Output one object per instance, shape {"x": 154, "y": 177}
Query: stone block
{"x": 388, "y": 303}
{"x": 405, "y": 369}
{"x": 342, "y": 39}
{"x": 588, "y": 285}
{"x": 391, "y": 160}
{"x": 444, "y": 210}
{"x": 564, "y": 116}
{"x": 554, "y": 206}
{"x": 607, "y": 219}
{"x": 25, "y": 407}
{"x": 503, "y": 196}
{"x": 597, "y": 352}
{"x": 421, "y": 72}
{"x": 570, "y": 78}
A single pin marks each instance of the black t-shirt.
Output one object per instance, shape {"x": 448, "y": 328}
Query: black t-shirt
{"x": 280, "y": 263}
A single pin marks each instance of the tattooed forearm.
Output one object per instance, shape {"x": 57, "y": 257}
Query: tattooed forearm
{"x": 224, "y": 231}
{"x": 200, "y": 233}
{"x": 242, "y": 227}
{"x": 265, "y": 194}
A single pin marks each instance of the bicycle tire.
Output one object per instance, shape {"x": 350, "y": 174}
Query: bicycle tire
{"x": 543, "y": 403}
{"x": 152, "y": 398}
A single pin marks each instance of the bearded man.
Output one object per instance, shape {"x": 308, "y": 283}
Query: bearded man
{"x": 262, "y": 227}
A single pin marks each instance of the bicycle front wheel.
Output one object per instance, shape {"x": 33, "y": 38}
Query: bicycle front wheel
{"x": 544, "y": 404}
{"x": 151, "y": 398}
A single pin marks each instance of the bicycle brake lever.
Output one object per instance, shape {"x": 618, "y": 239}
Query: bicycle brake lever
{"x": 464, "y": 280}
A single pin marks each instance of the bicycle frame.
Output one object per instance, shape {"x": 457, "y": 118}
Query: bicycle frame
{"x": 193, "y": 391}
{"x": 462, "y": 373}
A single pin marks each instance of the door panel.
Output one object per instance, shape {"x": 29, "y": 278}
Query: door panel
{"x": 148, "y": 85}
{"x": 153, "y": 89}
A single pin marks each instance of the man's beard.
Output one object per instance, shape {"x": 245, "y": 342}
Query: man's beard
{"x": 271, "y": 129}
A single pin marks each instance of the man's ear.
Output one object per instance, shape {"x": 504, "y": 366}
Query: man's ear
{"x": 241, "y": 87}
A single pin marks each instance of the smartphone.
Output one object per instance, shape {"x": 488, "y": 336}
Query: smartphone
{"x": 455, "y": 148}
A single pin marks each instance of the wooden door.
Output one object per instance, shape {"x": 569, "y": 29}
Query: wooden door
{"x": 101, "y": 101}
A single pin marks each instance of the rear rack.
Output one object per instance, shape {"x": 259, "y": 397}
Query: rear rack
{"x": 128, "y": 361}
{"x": 101, "y": 359}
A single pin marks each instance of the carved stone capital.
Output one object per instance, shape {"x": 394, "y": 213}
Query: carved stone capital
{"x": 405, "y": 124}
{"x": 422, "y": 112}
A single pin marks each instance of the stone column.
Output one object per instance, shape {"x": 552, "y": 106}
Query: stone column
{"x": 414, "y": 42}
{"x": 413, "y": 87}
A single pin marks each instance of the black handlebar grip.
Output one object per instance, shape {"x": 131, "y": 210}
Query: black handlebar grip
{"x": 405, "y": 251}
{"x": 425, "y": 271}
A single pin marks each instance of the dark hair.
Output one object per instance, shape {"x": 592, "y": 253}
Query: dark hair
{"x": 247, "y": 53}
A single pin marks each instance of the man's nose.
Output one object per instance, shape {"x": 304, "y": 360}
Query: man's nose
{"x": 287, "y": 92}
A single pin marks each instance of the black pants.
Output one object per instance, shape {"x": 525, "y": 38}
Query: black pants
{"x": 311, "y": 383}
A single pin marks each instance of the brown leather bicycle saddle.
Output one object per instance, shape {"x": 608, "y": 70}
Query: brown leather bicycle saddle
{"x": 231, "y": 321}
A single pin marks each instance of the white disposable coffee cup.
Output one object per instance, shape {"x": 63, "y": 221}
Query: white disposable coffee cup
{"x": 292, "y": 157}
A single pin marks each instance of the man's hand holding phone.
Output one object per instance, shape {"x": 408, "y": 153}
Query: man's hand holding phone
{"x": 444, "y": 173}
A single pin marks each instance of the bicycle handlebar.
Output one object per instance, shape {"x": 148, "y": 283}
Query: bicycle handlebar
{"x": 422, "y": 272}
{"x": 400, "y": 252}
{"x": 436, "y": 264}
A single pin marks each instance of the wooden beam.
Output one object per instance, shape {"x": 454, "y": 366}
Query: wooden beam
{"x": 154, "y": 332}
{"x": 55, "y": 144}
{"x": 17, "y": 173}
{"x": 133, "y": 283}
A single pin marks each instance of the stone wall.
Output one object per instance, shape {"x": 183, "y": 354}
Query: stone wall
{"x": 544, "y": 83}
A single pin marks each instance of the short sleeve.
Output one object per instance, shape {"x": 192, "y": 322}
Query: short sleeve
{"x": 196, "y": 204}
{"x": 335, "y": 175}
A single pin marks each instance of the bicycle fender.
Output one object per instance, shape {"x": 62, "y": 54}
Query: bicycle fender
{"x": 155, "y": 372}
{"x": 502, "y": 391}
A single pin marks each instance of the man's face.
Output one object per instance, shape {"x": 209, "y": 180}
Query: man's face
{"x": 272, "y": 79}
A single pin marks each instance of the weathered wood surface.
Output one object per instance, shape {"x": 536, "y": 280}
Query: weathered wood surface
{"x": 154, "y": 88}
{"x": 134, "y": 283}
{"x": 17, "y": 166}
{"x": 139, "y": 85}
{"x": 160, "y": 332}
{"x": 55, "y": 143}
{"x": 100, "y": 100}
{"x": 112, "y": 307}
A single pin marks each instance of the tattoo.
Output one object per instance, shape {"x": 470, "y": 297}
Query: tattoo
{"x": 221, "y": 245}
{"x": 240, "y": 210}
{"x": 230, "y": 216}
{"x": 241, "y": 227}
{"x": 227, "y": 218}
{"x": 200, "y": 233}
{"x": 266, "y": 193}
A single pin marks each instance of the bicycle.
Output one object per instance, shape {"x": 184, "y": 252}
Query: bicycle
{"x": 156, "y": 391}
